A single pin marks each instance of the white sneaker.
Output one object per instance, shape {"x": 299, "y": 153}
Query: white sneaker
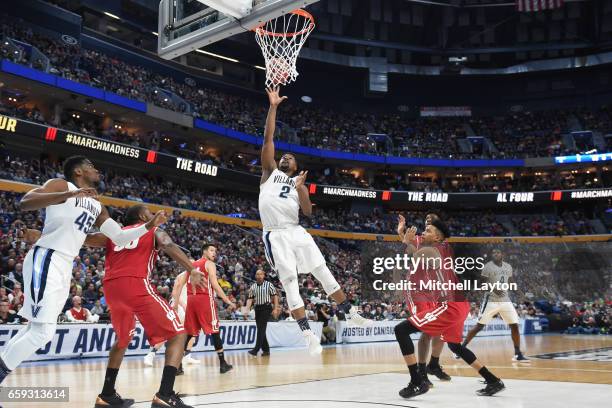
{"x": 148, "y": 359}
{"x": 313, "y": 342}
{"x": 359, "y": 320}
{"x": 190, "y": 360}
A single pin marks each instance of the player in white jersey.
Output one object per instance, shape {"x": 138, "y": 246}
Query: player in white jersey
{"x": 72, "y": 209}
{"x": 497, "y": 301}
{"x": 290, "y": 250}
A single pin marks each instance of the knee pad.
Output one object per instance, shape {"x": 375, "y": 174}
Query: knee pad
{"x": 463, "y": 352}
{"x": 292, "y": 292}
{"x": 327, "y": 280}
{"x": 402, "y": 334}
{"x": 42, "y": 333}
{"x": 217, "y": 342}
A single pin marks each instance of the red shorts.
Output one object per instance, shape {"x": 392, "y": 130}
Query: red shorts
{"x": 201, "y": 314}
{"x": 131, "y": 297}
{"x": 442, "y": 319}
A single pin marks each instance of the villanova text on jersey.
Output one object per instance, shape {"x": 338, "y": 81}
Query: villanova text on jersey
{"x": 284, "y": 179}
{"x": 87, "y": 204}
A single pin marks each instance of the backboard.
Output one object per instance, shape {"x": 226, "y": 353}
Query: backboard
{"x": 186, "y": 25}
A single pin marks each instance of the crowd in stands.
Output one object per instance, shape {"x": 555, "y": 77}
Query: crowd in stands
{"x": 589, "y": 317}
{"x": 156, "y": 190}
{"x": 519, "y": 134}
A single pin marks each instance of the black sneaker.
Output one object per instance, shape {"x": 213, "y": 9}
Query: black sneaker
{"x": 253, "y": 352}
{"x": 423, "y": 374}
{"x": 225, "y": 367}
{"x": 180, "y": 370}
{"x": 114, "y": 400}
{"x": 521, "y": 358}
{"x": 492, "y": 388}
{"x": 173, "y": 401}
{"x": 412, "y": 390}
{"x": 438, "y": 372}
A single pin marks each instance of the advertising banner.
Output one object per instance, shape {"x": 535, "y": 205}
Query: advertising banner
{"x": 95, "y": 340}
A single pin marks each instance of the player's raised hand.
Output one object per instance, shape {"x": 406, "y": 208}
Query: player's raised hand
{"x": 158, "y": 219}
{"x": 401, "y": 226}
{"x": 84, "y": 192}
{"x": 274, "y": 97}
{"x": 301, "y": 179}
{"x": 410, "y": 235}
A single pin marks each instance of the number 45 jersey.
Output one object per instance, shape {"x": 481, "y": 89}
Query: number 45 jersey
{"x": 47, "y": 268}
{"x": 279, "y": 204}
{"x": 67, "y": 224}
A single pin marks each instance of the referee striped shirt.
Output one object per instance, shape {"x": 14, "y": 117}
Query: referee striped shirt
{"x": 262, "y": 294}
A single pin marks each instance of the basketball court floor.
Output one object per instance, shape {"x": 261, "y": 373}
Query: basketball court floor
{"x": 565, "y": 371}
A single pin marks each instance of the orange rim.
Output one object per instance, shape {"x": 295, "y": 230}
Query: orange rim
{"x": 298, "y": 12}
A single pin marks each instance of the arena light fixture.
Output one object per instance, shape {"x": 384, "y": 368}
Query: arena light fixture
{"x": 217, "y": 55}
{"x": 235, "y": 8}
{"x": 112, "y": 15}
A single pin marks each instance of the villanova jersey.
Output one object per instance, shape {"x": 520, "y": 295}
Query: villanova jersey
{"x": 501, "y": 274}
{"x": 67, "y": 224}
{"x": 279, "y": 205}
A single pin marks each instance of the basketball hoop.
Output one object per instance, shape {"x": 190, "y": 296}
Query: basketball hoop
{"x": 281, "y": 40}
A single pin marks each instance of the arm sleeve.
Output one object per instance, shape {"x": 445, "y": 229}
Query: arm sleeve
{"x": 121, "y": 237}
{"x": 272, "y": 290}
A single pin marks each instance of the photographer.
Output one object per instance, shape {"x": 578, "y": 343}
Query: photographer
{"x": 323, "y": 315}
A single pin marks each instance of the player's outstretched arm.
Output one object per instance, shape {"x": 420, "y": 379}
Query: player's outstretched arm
{"x": 303, "y": 195}
{"x": 212, "y": 277}
{"x": 268, "y": 164}
{"x": 54, "y": 191}
{"x": 410, "y": 239}
{"x": 121, "y": 237}
{"x": 165, "y": 243}
{"x": 96, "y": 240}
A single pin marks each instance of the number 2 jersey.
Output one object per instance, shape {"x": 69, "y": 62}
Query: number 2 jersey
{"x": 279, "y": 204}
{"x": 136, "y": 259}
{"x": 67, "y": 224}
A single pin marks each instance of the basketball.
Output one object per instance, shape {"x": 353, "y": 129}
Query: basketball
{"x": 352, "y": 204}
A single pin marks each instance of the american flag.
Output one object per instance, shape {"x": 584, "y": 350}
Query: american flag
{"x": 538, "y": 5}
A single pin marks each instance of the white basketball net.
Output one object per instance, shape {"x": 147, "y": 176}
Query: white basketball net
{"x": 281, "y": 40}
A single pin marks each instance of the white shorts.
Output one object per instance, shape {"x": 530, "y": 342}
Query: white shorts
{"x": 46, "y": 284}
{"x": 505, "y": 309}
{"x": 292, "y": 251}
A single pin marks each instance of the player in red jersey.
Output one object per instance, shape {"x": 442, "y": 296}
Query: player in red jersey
{"x": 445, "y": 314}
{"x": 130, "y": 294}
{"x": 437, "y": 344}
{"x": 201, "y": 312}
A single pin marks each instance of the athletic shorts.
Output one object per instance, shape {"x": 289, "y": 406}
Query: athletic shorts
{"x": 46, "y": 284}
{"x": 201, "y": 314}
{"x": 292, "y": 251}
{"x": 129, "y": 298}
{"x": 489, "y": 310}
{"x": 442, "y": 319}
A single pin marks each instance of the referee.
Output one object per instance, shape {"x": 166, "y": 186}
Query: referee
{"x": 262, "y": 293}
